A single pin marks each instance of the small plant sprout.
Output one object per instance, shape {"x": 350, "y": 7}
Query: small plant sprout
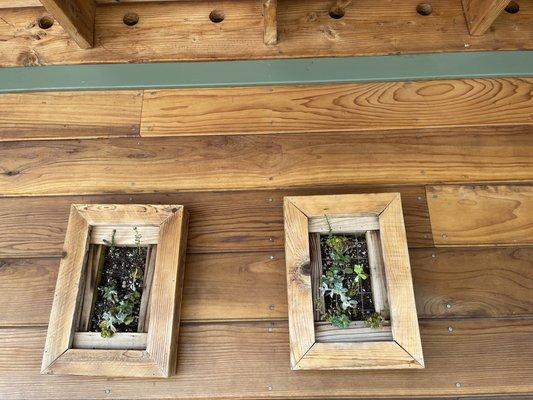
{"x": 374, "y": 321}
{"x": 138, "y": 238}
{"x": 342, "y": 282}
{"x": 111, "y": 243}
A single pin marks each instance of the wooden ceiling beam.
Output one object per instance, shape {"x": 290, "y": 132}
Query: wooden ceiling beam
{"x": 76, "y": 17}
{"x": 480, "y": 14}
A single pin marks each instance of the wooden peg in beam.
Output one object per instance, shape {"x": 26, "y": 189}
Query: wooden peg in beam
{"x": 270, "y": 22}
{"x": 76, "y": 17}
{"x": 480, "y": 14}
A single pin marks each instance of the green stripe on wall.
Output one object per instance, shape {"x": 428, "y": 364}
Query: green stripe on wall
{"x": 267, "y": 72}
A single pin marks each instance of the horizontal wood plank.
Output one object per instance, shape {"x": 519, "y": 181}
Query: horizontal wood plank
{"x": 481, "y": 215}
{"x": 69, "y": 115}
{"x": 132, "y": 165}
{"x": 325, "y": 108}
{"x": 174, "y": 31}
{"x": 219, "y": 221}
{"x": 252, "y": 360}
{"x": 475, "y": 282}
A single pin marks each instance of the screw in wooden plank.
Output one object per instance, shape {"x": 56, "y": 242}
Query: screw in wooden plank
{"x": 272, "y": 257}
{"x": 457, "y": 384}
{"x": 448, "y": 306}
{"x": 269, "y": 388}
{"x": 450, "y": 329}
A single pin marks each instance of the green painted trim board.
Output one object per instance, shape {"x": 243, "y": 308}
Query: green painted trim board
{"x": 267, "y": 72}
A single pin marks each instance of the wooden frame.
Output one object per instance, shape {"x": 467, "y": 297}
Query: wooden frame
{"x": 350, "y": 213}
{"x": 144, "y": 354}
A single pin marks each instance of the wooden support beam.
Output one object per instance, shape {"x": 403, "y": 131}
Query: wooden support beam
{"x": 270, "y": 22}
{"x": 76, "y": 17}
{"x": 480, "y": 14}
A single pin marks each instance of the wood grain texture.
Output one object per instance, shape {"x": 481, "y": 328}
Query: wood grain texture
{"x": 259, "y": 162}
{"x": 69, "y": 115}
{"x": 377, "y": 273}
{"x": 494, "y": 215}
{"x": 76, "y": 17}
{"x": 400, "y": 293}
{"x": 475, "y": 282}
{"x": 63, "y": 315}
{"x": 220, "y": 221}
{"x": 37, "y": 3}
{"x": 327, "y": 108}
{"x": 299, "y": 290}
{"x": 27, "y": 290}
{"x": 119, "y": 341}
{"x": 480, "y": 14}
{"x": 249, "y": 360}
{"x": 174, "y": 31}
{"x": 90, "y": 281}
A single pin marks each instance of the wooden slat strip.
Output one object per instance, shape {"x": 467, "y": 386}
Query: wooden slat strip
{"x": 144, "y": 312}
{"x": 328, "y": 108}
{"x": 448, "y": 282}
{"x": 357, "y": 332}
{"x": 92, "y": 274}
{"x": 343, "y": 224}
{"x": 306, "y": 30}
{"x": 481, "y": 215}
{"x": 252, "y": 360}
{"x": 69, "y": 115}
{"x": 119, "y": 341}
{"x": 281, "y": 161}
{"x": 377, "y": 273}
{"x": 125, "y": 235}
{"x": 220, "y": 222}
{"x": 315, "y": 254}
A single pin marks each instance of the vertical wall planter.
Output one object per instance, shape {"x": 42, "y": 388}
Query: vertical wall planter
{"x": 117, "y": 302}
{"x": 350, "y": 292}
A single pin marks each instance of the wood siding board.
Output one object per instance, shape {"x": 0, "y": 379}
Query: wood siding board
{"x": 224, "y": 163}
{"x": 328, "y": 108}
{"x": 306, "y": 30}
{"x": 243, "y": 360}
{"x": 482, "y": 214}
{"x": 220, "y": 221}
{"x": 471, "y": 280}
{"x": 69, "y": 115}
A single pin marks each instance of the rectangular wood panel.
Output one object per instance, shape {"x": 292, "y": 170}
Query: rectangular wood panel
{"x": 170, "y": 164}
{"x": 448, "y": 283}
{"x": 66, "y": 115}
{"x": 476, "y": 215}
{"x": 174, "y": 31}
{"x": 252, "y": 360}
{"x": 325, "y": 108}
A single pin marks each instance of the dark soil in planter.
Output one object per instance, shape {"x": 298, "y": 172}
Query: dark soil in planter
{"x": 119, "y": 291}
{"x": 354, "y": 250}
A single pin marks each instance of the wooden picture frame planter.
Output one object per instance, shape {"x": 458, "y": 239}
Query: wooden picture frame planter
{"x": 380, "y": 218}
{"x": 150, "y": 352}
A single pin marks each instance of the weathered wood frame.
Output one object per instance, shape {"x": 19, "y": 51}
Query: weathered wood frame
{"x": 405, "y": 350}
{"x": 159, "y": 357}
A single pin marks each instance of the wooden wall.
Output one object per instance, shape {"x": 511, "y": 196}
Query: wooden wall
{"x": 459, "y": 152}
{"x": 182, "y": 30}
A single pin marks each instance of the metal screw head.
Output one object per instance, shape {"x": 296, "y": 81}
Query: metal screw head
{"x": 272, "y": 307}
{"x": 107, "y": 391}
{"x": 272, "y": 257}
{"x": 448, "y": 306}
{"x": 270, "y": 330}
{"x": 419, "y": 198}
{"x": 269, "y": 387}
{"x": 433, "y": 255}
{"x": 270, "y": 199}
{"x": 457, "y": 384}
{"x": 444, "y": 236}
{"x": 450, "y": 329}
